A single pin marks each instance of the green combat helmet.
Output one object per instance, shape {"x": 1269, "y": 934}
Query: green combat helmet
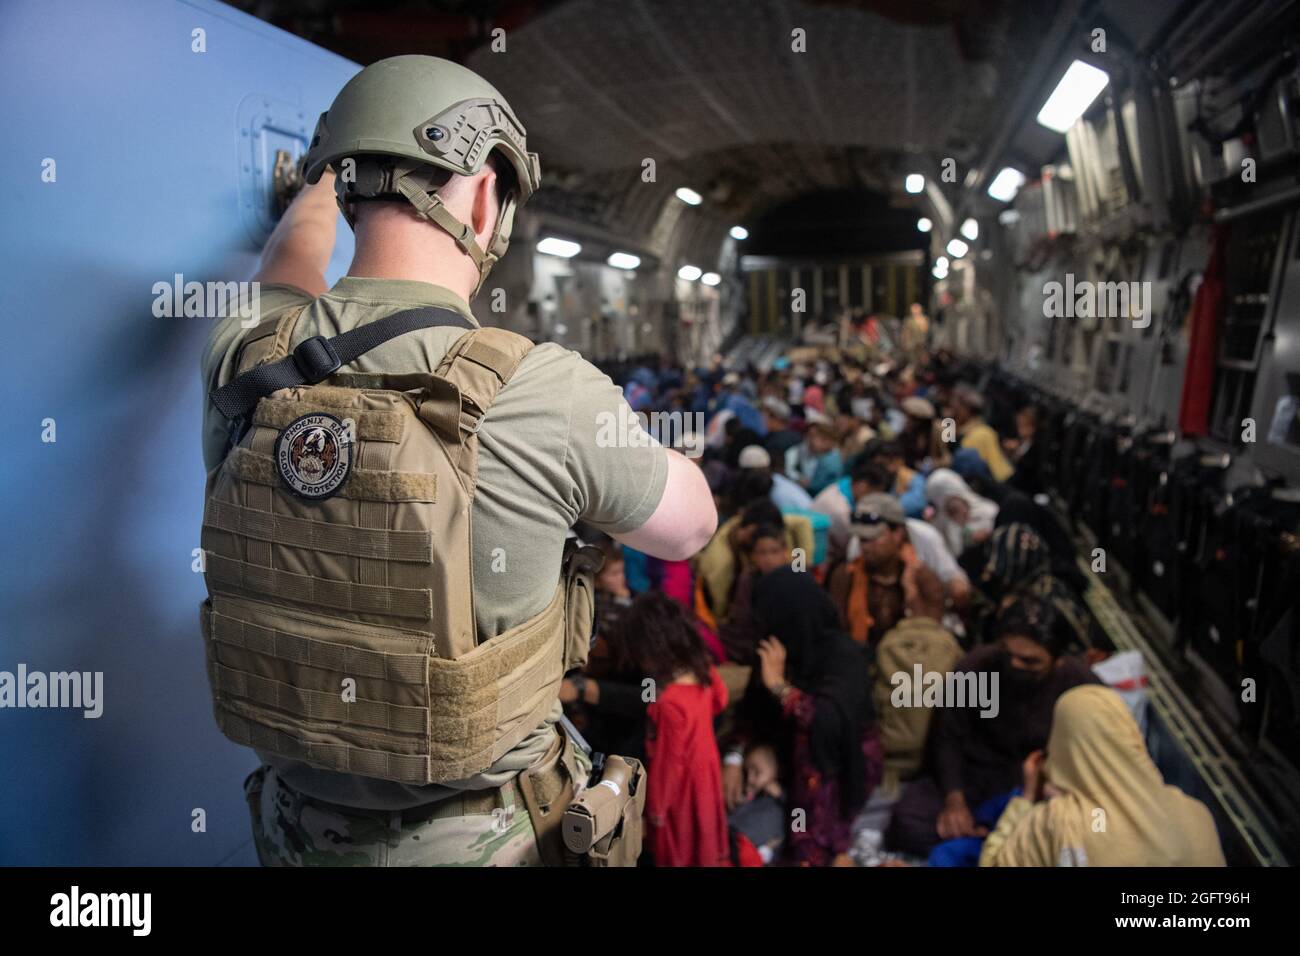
{"x": 409, "y": 122}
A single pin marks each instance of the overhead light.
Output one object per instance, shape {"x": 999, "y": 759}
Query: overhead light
{"x": 914, "y": 183}
{"x": 552, "y": 246}
{"x": 623, "y": 260}
{"x": 1072, "y": 96}
{"x": 689, "y": 273}
{"x": 711, "y": 278}
{"x": 1009, "y": 217}
{"x": 924, "y": 225}
{"x": 739, "y": 232}
{"x": 970, "y": 229}
{"x": 939, "y": 273}
{"x": 957, "y": 248}
{"x": 942, "y": 262}
{"x": 1006, "y": 184}
{"x": 689, "y": 196}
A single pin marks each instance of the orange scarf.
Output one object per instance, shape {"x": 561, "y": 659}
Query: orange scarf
{"x": 857, "y": 609}
{"x": 860, "y": 621}
{"x": 702, "y": 609}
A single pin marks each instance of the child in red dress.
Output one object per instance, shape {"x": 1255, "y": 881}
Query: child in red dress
{"x": 686, "y": 821}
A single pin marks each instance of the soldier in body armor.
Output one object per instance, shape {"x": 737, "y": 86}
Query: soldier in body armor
{"x": 392, "y": 606}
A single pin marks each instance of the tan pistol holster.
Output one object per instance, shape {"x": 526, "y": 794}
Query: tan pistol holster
{"x": 602, "y": 827}
{"x": 340, "y": 628}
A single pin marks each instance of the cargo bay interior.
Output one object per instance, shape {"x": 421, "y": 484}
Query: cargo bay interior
{"x": 757, "y": 181}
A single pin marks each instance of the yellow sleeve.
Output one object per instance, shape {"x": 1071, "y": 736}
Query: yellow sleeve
{"x": 715, "y": 567}
{"x": 985, "y": 441}
{"x": 1023, "y": 836}
{"x": 998, "y": 464}
{"x": 800, "y": 530}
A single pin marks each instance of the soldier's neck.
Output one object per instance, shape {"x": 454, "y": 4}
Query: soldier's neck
{"x": 402, "y": 247}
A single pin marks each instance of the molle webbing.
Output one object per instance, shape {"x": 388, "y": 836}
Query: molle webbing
{"x": 268, "y": 341}
{"x": 319, "y": 535}
{"x": 319, "y": 652}
{"x": 419, "y": 718}
{"x": 370, "y": 425}
{"x": 479, "y": 363}
{"x": 413, "y": 603}
{"x": 343, "y": 757}
{"x": 317, "y": 705}
{"x": 362, "y": 483}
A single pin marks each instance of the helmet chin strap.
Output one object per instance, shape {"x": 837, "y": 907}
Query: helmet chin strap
{"x": 430, "y": 207}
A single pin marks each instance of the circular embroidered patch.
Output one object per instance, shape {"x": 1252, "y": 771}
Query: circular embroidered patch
{"x": 314, "y": 456}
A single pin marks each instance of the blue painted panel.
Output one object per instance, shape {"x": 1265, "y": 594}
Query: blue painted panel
{"x": 99, "y": 526}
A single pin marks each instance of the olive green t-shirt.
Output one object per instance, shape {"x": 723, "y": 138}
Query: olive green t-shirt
{"x": 540, "y": 470}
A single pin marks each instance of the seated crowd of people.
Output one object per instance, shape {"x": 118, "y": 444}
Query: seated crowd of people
{"x": 790, "y": 688}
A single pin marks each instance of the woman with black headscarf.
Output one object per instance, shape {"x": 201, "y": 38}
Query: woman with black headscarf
{"x": 1017, "y": 560}
{"x": 810, "y": 696}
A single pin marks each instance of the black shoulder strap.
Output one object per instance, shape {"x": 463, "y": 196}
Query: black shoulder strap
{"x": 316, "y": 358}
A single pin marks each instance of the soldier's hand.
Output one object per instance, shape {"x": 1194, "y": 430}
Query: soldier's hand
{"x": 299, "y": 249}
{"x": 320, "y": 192}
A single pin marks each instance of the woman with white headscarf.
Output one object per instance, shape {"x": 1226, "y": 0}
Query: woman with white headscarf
{"x": 1106, "y": 803}
{"x": 961, "y": 516}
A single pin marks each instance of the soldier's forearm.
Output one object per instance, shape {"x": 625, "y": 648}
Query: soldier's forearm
{"x": 299, "y": 250}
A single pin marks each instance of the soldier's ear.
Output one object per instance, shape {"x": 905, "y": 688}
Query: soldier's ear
{"x": 484, "y": 214}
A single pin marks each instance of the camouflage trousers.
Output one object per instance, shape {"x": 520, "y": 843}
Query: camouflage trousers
{"x": 291, "y": 829}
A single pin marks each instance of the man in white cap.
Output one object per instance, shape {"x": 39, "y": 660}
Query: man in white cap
{"x": 916, "y": 407}
{"x": 786, "y": 494}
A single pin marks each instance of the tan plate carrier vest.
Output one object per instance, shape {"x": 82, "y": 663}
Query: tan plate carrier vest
{"x": 341, "y": 632}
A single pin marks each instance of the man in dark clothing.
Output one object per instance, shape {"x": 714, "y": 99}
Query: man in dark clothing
{"x": 973, "y": 757}
{"x": 1026, "y": 454}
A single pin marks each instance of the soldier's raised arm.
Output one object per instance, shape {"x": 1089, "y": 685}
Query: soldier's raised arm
{"x": 299, "y": 249}
{"x": 685, "y": 518}
{"x": 649, "y": 497}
